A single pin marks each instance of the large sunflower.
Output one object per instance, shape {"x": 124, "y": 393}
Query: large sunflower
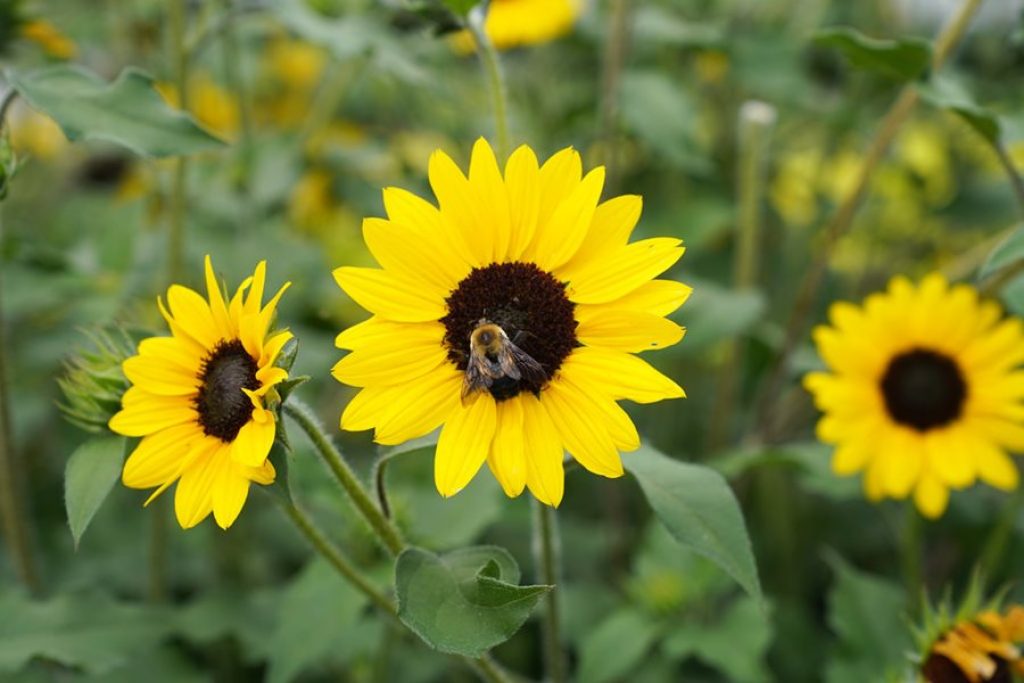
{"x": 924, "y": 394}
{"x": 528, "y": 261}
{"x": 199, "y": 400}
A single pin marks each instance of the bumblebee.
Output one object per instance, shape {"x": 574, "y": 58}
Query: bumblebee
{"x": 497, "y": 365}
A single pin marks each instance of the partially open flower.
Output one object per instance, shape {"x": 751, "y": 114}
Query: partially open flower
{"x": 982, "y": 646}
{"x": 201, "y": 397}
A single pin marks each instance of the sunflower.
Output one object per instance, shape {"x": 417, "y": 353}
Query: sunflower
{"x": 924, "y": 394}
{"x": 983, "y": 648}
{"x": 515, "y": 23}
{"x": 510, "y": 316}
{"x": 199, "y": 399}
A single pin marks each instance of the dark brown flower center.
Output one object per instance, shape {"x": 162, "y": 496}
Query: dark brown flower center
{"x": 528, "y": 303}
{"x": 923, "y": 389}
{"x": 222, "y": 405}
{"x": 940, "y": 669}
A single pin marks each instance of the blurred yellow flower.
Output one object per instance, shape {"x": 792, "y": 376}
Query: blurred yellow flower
{"x": 924, "y": 391}
{"x": 49, "y": 37}
{"x": 199, "y": 400}
{"x": 212, "y": 105}
{"x": 515, "y": 23}
{"x": 923, "y": 147}
{"x": 793, "y": 191}
{"x": 509, "y": 317}
{"x": 34, "y": 133}
{"x": 838, "y": 174}
{"x": 295, "y": 63}
{"x": 312, "y": 201}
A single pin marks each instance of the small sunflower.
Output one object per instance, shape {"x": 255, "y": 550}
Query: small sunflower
{"x": 980, "y": 644}
{"x": 199, "y": 400}
{"x": 924, "y": 393}
{"x": 516, "y": 23}
{"x": 509, "y": 315}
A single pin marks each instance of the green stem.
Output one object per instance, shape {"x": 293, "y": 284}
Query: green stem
{"x": 547, "y": 556}
{"x": 995, "y": 545}
{"x": 12, "y": 504}
{"x": 487, "y": 669}
{"x": 910, "y": 547}
{"x": 158, "y": 523}
{"x": 495, "y": 77}
{"x": 386, "y": 532}
{"x": 842, "y": 219}
{"x": 754, "y": 136}
{"x": 1016, "y": 183}
{"x": 337, "y": 560}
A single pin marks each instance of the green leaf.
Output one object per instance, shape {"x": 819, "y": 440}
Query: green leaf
{"x": 868, "y": 615}
{"x": 699, "y": 509}
{"x": 616, "y": 646}
{"x": 463, "y": 603}
{"x": 461, "y": 7}
{"x": 946, "y": 94}
{"x": 127, "y": 112}
{"x": 279, "y": 452}
{"x": 664, "y": 117}
{"x": 735, "y": 642}
{"x": 902, "y": 60}
{"x": 317, "y": 607}
{"x": 284, "y": 389}
{"x": 91, "y": 473}
{"x": 80, "y": 631}
{"x": 286, "y": 358}
{"x": 1006, "y": 253}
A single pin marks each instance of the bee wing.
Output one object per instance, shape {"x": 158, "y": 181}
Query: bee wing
{"x": 526, "y": 367}
{"x": 475, "y": 379}
{"x": 508, "y": 361}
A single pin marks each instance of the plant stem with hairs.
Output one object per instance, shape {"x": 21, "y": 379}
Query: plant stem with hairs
{"x": 547, "y": 557}
{"x": 495, "y": 77}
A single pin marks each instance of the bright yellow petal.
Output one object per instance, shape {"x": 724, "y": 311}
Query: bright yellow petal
{"x": 146, "y": 413}
{"x": 464, "y": 444}
{"x": 419, "y": 255}
{"x": 620, "y": 375}
{"x": 157, "y": 376}
{"x": 625, "y": 330}
{"x": 388, "y": 295}
{"x": 172, "y": 351}
{"x": 507, "y": 458}
{"x": 366, "y": 407}
{"x": 657, "y": 297}
{"x": 404, "y": 357}
{"x": 542, "y": 447}
{"x": 490, "y": 198}
{"x": 612, "y": 224}
{"x": 230, "y": 489}
{"x": 158, "y": 457}
{"x": 218, "y": 308}
{"x": 522, "y": 182}
{"x": 995, "y": 467}
{"x": 580, "y": 424}
{"x": 454, "y": 194}
{"x": 193, "y": 499}
{"x": 252, "y": 445}
{"x": 850, "y": 458}
{"x": 952, "y": 456}
{"x": 624, "y": 271}
{"x": 420, "y": 407}
{"x": 415, "y": 213}
{"x": 559, "y": 237}
{"x": 192, "y": 313}
{"x": 902, "y": 460}
{"x": 931, "y": 497}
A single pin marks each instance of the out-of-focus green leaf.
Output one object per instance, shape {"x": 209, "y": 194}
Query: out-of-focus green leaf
{"x": 697, "y": 506}
{"x": 1012, "y": 295}
{"x": 1007, "y": 252}
{"x": 735, "y": 643}
{"x": 868, "y": 614}
{"x": 461, "y": 7}
{"x": 947, "y": 94}
{"x": 812, "y": 461}
{"x": 316, "y": 608}
{"x": 713, "y": 314}
{"x": 88, "y": 632}
{"x": 464, "y": 603}
{"x": 91, "y": 473}
{"x": 901, "y": 60}
{"x": 127, "y": 112}
{"x": 220, "y": 614}
{"x": 616, "y": 646}
{"x": 663, "y": 116}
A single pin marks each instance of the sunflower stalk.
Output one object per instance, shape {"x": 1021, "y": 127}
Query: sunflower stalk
{"x": 547, "y": 556}
{"x": 386, "y": 532}
{"x": 910, "y": 554}
{"x": 842, "y": 220}
{"x": 495, "y": 75}
{"x": 995, "y": 545}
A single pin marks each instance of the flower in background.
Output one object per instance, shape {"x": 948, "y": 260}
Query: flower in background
{"x": 980, "y": 643}
{"x": 515, "y": 23}
{"x": 923, "y": 392}
{"x": 509, "y": 315}
{"x": 35, "y": 134}
{"x": 212, "y": 105}
{"x": 49, "y": 38}
{"x": 200, "y": 400}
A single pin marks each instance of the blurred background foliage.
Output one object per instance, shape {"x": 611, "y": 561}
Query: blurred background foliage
{"x": 326, "y": 102}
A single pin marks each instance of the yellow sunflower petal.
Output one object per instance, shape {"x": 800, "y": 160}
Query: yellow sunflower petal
{"x": 157, "y": 376}
{"x": 420, "y": 408}
{"x": 850, "y": 458}
{"x": 218, "y": 308}
{"x": 952, "y": 456}
{"x": 559, "y": 237}
{"x": 397, "y": 360}
{"x": 620, "y": 375}
{"x": 171, "y": 350}
{"x": 490, "y": 197}
{"x": 230, "y": 489}
{"x": 580, "y": 424}
{"x": 464, "y": 444}
{"x": 522, "y": 182}
{"x": 931, "y": 497}
{"x": 657, "y": 297}
{"x": 625, "y": 330}
{"x": 272, "y": 347}
{"x": 389, "y": 295}
{"x": 159, "y": 456}
{"x": 453, "y": 193}
{"x": 252, "y": 445}
{"x": 414, "y": 213}
{"x": 995, "y": 467}
{"x": 544, "y": 454}
{"x": 192, "y": 313}
{"x": 193, "y": 499}
{"x": 624, "y": 270}
{"x": 146, "y": 413}
{"x": 421, "y": 255}
{"x": 366, "y": 407}
{"x": 902, "y": 461}
{"x": 507, "y": 458}
{"x": 610, "y": 228}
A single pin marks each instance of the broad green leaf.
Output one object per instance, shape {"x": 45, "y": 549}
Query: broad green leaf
{"x": 87, "y": 632}
{"x": 947, "y": 94}
{"x": 91, "y": 473}
{"x": 812, "y": 461}
{"x": 735, "y": 642}
{"x": 901, "y": 60}
{"x": 663, "y": 116}
{"x": 460, "y": 606}
{"x": 246, "y": 617}
{"x": 1006, "y": 253}
{"x": 316, "y": 609}
{"x": 699, "y": 509}
{"x": 616, "y": 646}
{"x": 868, "y": 615}
{"x": 127, "y": 112}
